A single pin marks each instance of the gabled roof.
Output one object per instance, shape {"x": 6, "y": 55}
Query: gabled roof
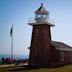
{"x": 41, "y": 10}
{"x": 61, "y": 46}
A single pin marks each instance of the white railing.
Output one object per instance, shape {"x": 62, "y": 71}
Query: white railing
{"x": 32, "y": 20}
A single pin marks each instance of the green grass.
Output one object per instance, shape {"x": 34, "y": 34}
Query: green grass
{"x": 27, "y": 69}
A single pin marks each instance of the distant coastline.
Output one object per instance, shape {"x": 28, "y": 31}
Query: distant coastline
{"x": 16, "y": 56}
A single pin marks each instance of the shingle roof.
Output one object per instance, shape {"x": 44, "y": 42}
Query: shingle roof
{"x": 61, "y": 46}
{"x": 41, "y": 10}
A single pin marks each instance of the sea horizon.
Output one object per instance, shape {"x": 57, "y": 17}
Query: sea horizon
{"x": 16, "y": 56}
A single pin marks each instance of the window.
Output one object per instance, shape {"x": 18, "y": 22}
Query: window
{"x": 71, "y": 56}
{"x": 37, "y": 32}
{"x": 37, "y": 51}
{"x": 38, "y": 16}
{"x": 61, "y": 56}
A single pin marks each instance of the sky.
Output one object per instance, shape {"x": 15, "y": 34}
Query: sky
{"x": 18, "y": 12}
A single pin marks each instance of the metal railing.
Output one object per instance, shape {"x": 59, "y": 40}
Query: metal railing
{"x": 33, "y": 20}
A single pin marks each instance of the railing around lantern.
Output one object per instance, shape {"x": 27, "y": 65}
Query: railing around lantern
{"x": 33, "y": 20}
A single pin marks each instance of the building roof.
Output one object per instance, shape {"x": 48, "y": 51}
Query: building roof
{"x": 41, "y": 10}
{"x": 61, "y": 46}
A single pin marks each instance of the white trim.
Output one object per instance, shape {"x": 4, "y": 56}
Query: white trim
{"x": 40, "y": 23}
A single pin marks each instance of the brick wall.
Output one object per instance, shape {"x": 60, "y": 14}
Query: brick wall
{"x": 40, "y": 46}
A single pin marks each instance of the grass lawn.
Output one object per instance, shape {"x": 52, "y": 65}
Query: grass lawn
{"x": 67, "y": 68}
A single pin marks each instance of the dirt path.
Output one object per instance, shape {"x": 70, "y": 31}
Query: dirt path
{"x": 11, "y": 65}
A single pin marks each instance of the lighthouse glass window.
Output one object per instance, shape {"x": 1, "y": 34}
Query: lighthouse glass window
{"x": 38, "y": 15}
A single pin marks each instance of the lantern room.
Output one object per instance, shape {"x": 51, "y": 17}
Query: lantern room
{"x": 41, "y": 15}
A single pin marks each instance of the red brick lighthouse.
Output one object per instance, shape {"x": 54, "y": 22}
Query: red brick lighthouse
{"x": 40, "y": 49}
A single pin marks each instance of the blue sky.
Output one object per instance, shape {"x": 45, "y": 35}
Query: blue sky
{"x": 17, "y": 12}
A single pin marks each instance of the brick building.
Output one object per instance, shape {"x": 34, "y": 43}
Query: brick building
{"x": 43, "y": 51}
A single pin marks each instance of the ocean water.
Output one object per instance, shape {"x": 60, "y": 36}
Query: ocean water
{"x": 14, "y": 56}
